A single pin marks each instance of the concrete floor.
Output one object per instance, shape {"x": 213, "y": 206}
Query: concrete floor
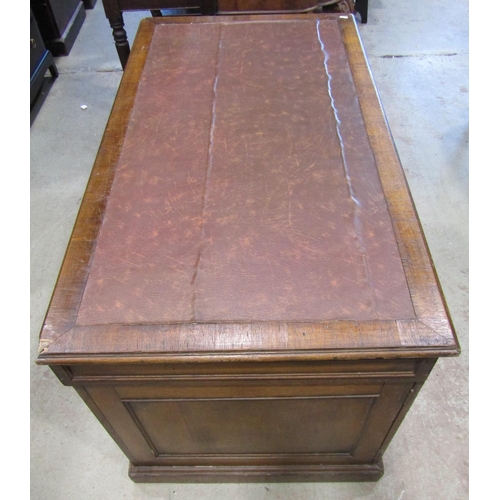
{"x": 419, "y": 56}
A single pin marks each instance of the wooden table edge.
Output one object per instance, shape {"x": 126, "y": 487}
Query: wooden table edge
{"x": 255, "y": 356}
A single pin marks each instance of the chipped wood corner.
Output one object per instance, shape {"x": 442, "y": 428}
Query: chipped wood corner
{"x": 43, "y": 346}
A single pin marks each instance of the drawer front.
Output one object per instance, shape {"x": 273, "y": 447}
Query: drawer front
{"x": 243, "y": 372}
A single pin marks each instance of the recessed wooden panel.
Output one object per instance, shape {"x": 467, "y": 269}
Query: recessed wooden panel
{"x": 252, "y": 426}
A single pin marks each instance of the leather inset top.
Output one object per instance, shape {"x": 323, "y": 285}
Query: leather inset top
{"x": 246, "y": 188}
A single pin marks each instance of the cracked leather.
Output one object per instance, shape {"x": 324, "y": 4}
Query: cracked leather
{"x": 246, "y": 189}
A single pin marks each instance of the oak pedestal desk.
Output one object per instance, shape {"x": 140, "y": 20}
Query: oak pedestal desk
{"x": 247, "y": 294}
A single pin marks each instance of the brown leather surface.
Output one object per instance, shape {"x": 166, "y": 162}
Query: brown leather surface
{"x": 246, "y": 189}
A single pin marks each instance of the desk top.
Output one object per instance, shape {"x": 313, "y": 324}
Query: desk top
{"x": 246, "y": 201}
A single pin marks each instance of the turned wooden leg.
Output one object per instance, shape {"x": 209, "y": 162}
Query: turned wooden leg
{"x": 120, "y": 36}
{"x": 362, "y": 8}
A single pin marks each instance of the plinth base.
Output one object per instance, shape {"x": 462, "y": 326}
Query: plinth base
{"x": 256, "y": 474}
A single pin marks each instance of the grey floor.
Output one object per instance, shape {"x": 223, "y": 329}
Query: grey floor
{"x": 418, "y": 52}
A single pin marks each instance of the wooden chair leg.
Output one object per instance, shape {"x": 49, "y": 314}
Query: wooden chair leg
{"x": 120, "y": 37}
{"x": 362, "y": 9}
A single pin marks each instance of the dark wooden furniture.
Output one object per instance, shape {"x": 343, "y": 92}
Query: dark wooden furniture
{"x": 114, "y": 11}
{"x": 362, "y": 8}
{"x": 59, "y": 22}
{"x": 41, "y": 61}
{"x": 247, "y": 293}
